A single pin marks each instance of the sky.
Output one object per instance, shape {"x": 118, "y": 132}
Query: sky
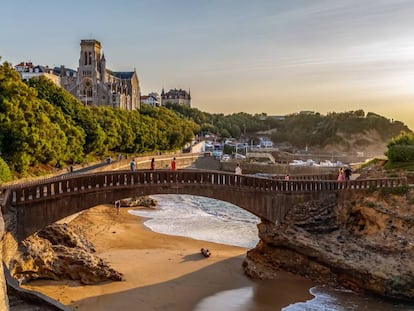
{"x": 265, "y": 56}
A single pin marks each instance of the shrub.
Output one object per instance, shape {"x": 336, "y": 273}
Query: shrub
{"x": 5, "y": 173}
{"x": 401, "y": 153}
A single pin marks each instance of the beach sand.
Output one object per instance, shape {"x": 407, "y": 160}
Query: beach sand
{"x": 162, "y": 272}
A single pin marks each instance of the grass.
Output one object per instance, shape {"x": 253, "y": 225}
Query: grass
{"x": 407, "y": 166}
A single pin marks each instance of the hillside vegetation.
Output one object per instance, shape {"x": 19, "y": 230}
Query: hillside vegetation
{"x": 42, "y": 124}
{"x": 337, "y": 131}
{"x": 353, "y": 130}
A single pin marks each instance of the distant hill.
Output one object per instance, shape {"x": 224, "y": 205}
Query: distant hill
{"x": 348, "y": 132}
{"x": 352, "y": 131}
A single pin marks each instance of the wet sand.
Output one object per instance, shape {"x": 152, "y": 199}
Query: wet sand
{"x": 163, "y": 272}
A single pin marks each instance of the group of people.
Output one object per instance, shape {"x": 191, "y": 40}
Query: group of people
{"x": 344, "y": 174}
{"x": 132, "y": 164}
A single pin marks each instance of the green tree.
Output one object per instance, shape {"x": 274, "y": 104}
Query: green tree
{"x": 401, "y": 148}
{"x": 5, "y": 173}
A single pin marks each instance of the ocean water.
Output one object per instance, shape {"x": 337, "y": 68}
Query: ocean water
{"x": 216, "y": 221}
{"x": 202, "y": 219}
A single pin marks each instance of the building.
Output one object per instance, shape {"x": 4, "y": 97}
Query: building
{"x": 27, "y": 71}
{"x": 96, "y": 85}
{"x": 152, "y": 99}
{"x": 179, "y": 97}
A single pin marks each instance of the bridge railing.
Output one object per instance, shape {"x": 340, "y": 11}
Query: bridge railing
{"x": 328, "y": 176}
{"x": 87, "y": 182}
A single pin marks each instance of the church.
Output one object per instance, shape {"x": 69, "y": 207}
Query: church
{"x": 96, "y": 85}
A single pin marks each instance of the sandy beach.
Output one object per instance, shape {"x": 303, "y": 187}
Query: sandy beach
{"x": 163, "y": 272}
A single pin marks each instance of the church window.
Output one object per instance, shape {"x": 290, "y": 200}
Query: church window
{"x": 90, "y": 58}
{"x": 85, "y": 58}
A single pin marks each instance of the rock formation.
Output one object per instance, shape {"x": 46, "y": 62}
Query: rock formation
{"x": 363, "y": 241}
{"x": 61, "y": 252}
{"x": 141, "y": 201}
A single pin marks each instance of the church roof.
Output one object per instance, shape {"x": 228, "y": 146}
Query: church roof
{"x": 123, "y": 74}
{"x": 56, "y": 70}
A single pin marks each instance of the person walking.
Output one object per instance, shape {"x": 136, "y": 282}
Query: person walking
{"x": 238, "y": 170}
{"x": 132, "y": 165}
{"x": 341, "y": 175}
{"x": 173, "y": 165}
{"x": 117, "y": 206}
{"x": 348, "y": 173}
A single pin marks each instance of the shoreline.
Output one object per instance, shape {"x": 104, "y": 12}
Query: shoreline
{"x": 161, "y": 272}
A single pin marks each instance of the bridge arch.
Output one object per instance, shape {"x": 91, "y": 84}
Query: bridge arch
{"x": 38, "y": 204}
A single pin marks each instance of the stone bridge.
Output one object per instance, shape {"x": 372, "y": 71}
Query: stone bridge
{"x": 32, "y": 206}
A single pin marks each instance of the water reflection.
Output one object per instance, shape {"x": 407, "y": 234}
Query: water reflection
{"x": 287, "y": 295}
{"x": 263, "y": 296}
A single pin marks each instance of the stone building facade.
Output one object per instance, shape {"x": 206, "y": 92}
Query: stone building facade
{"x": 179, "y": 97}
{"x": 96, "y": 85}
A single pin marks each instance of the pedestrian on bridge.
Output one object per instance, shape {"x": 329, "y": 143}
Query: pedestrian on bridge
{"x": 173, "y": 165}
{"x": 348, "y": 173}
{"x": 341, "y": 175}
{"x": 152, "y": 164}
{"x": 238, "y": 170}
{"x": 132, "y": 165}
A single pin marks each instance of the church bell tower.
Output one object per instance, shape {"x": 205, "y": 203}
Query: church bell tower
{"x": 89, "y": 71}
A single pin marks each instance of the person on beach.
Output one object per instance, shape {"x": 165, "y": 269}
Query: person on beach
{"x": 117, "y": 206}
{"x": 173, "y": 165}
{"x": 152, "y": 164}
{"x": 238, "y": 170}
{"x": 132, "y": 165}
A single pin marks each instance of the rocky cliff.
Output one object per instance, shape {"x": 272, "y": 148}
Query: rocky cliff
{"x": 60, "y": 251}
{"x": 363, "y": 241}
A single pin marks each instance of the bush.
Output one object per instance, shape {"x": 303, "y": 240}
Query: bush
{"x": 401, "y": 153}
{"x": 5, "y": 173}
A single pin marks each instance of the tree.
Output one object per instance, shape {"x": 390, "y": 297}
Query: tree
{"x": 5, "y": 173}
{"x": 401, "y": 148}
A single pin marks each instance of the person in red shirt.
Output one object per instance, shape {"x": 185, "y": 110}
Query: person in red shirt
{"x": 173, "y": 165}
